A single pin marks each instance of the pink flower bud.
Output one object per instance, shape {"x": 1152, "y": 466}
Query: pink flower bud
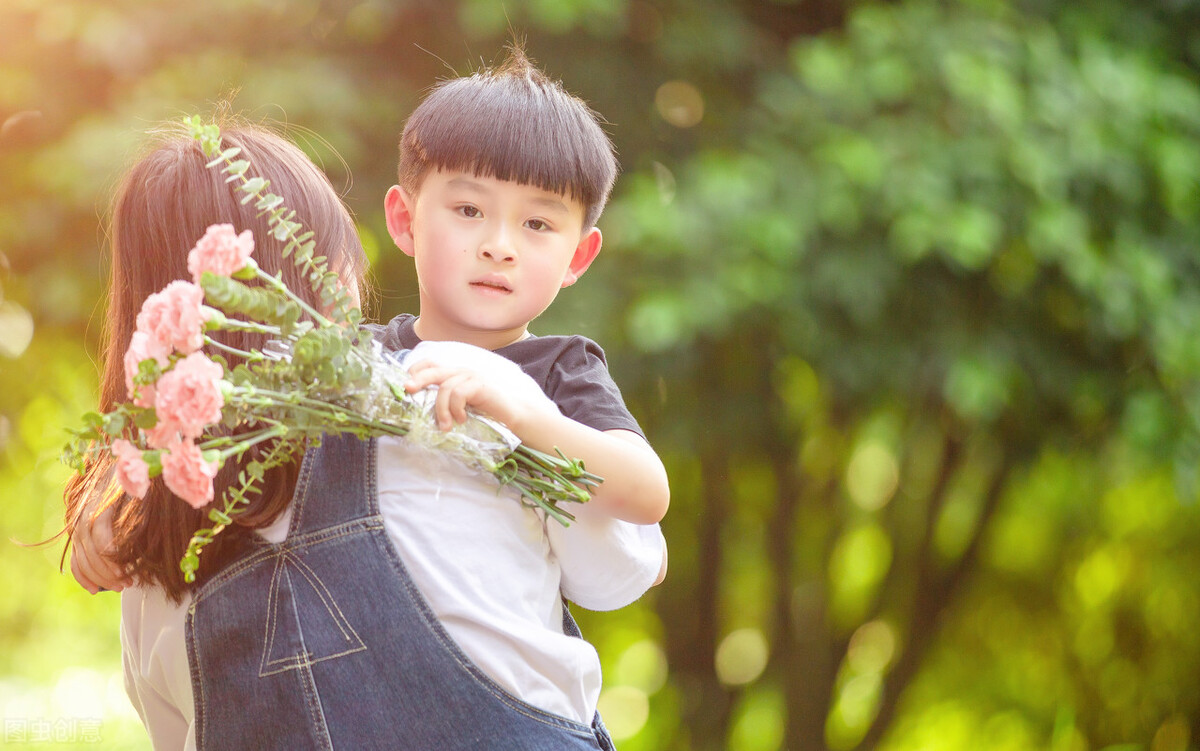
{"x": 221, "y": 251}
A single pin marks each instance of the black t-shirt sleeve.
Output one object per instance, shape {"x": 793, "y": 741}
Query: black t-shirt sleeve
{"x": 578, "y": 381}
{"x": 572, "y": 371}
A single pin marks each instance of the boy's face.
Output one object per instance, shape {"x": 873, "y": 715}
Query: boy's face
{"x": 491, "y": 255}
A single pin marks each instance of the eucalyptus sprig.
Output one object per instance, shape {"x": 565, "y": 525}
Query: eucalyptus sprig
{"x": 298, "y": 242}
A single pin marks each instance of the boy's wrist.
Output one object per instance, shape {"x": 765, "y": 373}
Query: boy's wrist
{"x": 533, "y": 423}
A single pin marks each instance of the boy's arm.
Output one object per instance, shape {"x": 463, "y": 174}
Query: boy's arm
{"x": 635, "y": 487}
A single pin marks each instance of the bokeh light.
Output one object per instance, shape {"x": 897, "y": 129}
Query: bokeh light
{"x": 642, "y": 664}
{"x": 872, "y": 647}
{"x": 625, "y": 710}
{"x": 872, "y": 476}
{"x": 741, "y": 656}
{"x": 679, "y": 103}
{"x": 758, "y": 724}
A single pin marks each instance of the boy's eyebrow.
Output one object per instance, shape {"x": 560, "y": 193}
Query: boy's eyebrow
{"x": 546, "y": 202}
{"x": 554, "y": 204}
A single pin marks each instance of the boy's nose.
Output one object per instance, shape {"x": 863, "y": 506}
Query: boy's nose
{"x": 498, "y": 247}
{"x": 493, "y": 253}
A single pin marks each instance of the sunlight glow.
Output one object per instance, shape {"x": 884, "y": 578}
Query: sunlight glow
{"x": 79, "y": 692}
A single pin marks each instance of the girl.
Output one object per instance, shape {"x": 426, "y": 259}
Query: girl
{"x": 304, "y": 628}
{"x": 162, "y": 206}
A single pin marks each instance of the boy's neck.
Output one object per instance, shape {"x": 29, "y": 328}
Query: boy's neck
{"x": 490, "y": 340}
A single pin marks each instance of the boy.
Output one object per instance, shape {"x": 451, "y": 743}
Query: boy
{"x": 502, "y": 177}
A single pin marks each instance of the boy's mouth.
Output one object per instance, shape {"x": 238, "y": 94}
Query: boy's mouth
{"x": 491, "y": 284}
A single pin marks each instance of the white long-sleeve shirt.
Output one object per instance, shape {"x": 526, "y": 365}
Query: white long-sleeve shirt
{"x": 492, "y": 570}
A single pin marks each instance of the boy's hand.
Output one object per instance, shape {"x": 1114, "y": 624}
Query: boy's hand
{"x": 635, "y": 487}
{"x": 90, "y": 542}
{"x": 461, "y": 387}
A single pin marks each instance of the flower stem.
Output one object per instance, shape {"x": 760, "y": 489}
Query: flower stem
{"x": 246, "y": 441}
{"x": 237, "y": 324}
{"x": 277, "y": 284}
{"x": 250, "y": 356}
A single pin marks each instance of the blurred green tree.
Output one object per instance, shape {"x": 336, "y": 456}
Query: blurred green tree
{"x": 947, "y": 263}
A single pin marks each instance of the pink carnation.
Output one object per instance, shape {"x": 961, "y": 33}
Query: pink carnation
{"x": 172, "y": 318}
{"x": 220, "y": 251}
{"x": 188, "y": 396}
{"x": 142, "y": 347}
{"x": 160, "y": 435}
{"x": 132, "y": 472}
{"x": 187, "y": 474}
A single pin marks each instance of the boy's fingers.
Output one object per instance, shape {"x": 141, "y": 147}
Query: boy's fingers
{"x": 425, "y": 374}
{"x": 458, "y": 404}
{"x": 450, "y": 401}
{"x": 456, "y": 390}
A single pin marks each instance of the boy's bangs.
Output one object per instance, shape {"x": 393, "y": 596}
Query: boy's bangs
{"x": 515, "y": 133}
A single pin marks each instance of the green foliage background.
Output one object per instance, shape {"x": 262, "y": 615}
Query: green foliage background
{"x": 905, "y": 293}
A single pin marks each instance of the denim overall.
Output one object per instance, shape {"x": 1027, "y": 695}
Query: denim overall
{"x": 324, "y": 642}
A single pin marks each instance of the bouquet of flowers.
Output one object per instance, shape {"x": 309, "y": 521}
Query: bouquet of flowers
{"x": 320, "y": 374}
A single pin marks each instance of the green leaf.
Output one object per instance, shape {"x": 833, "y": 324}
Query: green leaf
{"x": 252, "y": 187}
{"x": 269, "y": 202}
{"x": 146, "y": 419}
{"x": 236, "y": 168}
{"x": 256, "y": 471}
{"x": 114, "y": 424}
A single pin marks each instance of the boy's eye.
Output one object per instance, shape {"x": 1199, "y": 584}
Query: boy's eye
{"x": 468, "y": 211}
{"x": 537, "y": 225}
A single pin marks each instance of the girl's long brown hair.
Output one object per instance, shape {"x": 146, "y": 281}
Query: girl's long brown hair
{"x": 161, "y": 208}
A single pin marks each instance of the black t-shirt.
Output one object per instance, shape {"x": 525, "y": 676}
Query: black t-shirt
{"x": 571, "y": 370}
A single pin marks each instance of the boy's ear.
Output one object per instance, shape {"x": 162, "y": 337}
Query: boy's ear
{"x": 398, "y": 209}
{"x": 585, "y": 253}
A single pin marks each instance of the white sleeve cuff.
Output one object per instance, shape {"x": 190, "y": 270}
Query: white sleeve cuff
{"x": 606, "y": 563}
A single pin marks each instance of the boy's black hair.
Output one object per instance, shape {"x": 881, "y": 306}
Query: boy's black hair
{"x": 511, "y": 123}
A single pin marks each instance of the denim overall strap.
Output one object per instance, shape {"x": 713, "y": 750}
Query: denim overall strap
{"x": 324, "y": 642}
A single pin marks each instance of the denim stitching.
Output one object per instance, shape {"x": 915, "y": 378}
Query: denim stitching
{"x": 301, "y": 542}
{"x": 292, "y": 662}
{"x": 311, "y": 695}
{"x": 483, "y": 679}
{"x": 326, "y": 596}
{"x": 303, "y": 483}
{"x": 371, "y": 477}
{"x": 198, "y": 675}
{"x": 373, "y": 528}
{"x": 272, "y": 605}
